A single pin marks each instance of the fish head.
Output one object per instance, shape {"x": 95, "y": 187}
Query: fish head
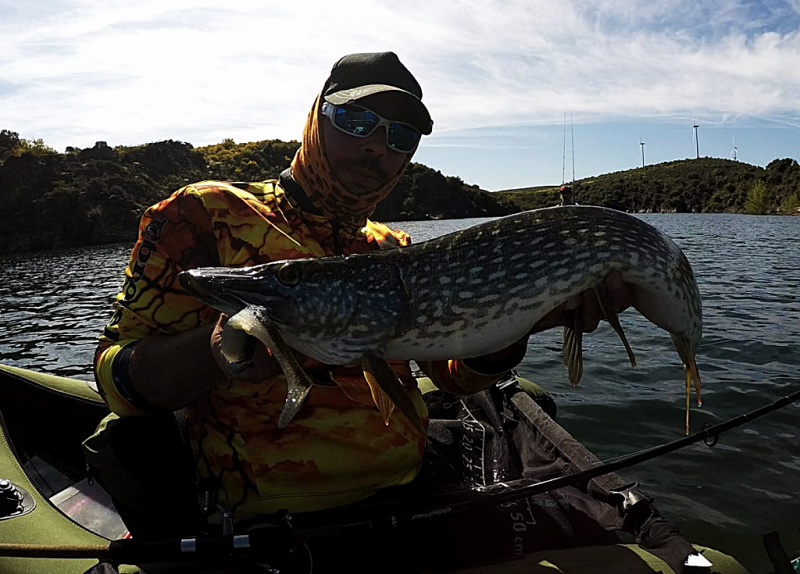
{"x": 333, "y": 309}
{"x": 226, "y": 289}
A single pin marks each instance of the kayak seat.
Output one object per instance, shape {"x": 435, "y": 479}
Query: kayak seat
{"x": 154, "y": 488}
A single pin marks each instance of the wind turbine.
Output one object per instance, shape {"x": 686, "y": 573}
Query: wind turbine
{"x": 695, "y": 125}
{"x": 641, "y": 143}
{"x": 734, "y": 149}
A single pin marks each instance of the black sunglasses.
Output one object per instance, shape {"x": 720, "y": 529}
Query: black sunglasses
{"x": 361, "y": 122}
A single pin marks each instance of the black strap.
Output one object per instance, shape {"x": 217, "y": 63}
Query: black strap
{"x": 296, "y": 193}
{"x": 299, "y": 196}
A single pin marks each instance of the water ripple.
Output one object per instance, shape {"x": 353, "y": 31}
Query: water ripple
{"x": 54, "y": 305}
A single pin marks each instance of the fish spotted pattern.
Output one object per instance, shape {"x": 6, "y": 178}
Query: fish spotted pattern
{"x": 468, "y": 293}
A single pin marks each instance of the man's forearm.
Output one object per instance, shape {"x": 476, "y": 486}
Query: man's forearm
{"x": 171, "y": 371}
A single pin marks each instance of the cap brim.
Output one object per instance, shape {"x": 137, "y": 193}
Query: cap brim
{"x": 413, "y": 111}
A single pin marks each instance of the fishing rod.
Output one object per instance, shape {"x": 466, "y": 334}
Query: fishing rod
{"x": 282, "y": 537}
{"x": 709, "y": 435}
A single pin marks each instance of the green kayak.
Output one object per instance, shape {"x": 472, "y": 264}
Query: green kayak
{"x": 50, "y": 502}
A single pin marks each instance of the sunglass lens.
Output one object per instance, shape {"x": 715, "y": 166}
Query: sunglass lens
{"x": 403, "y": 138}
{"x": 359, "y": 123}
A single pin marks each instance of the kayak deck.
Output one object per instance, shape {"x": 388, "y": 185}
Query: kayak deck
{"x": 67, "y": 411}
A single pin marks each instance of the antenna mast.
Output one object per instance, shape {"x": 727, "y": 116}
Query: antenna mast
{"x": 572, "y": 132}
{"x": 564, "y": 151}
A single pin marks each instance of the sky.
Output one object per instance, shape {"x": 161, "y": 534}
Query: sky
{"x": 513, "y": 86}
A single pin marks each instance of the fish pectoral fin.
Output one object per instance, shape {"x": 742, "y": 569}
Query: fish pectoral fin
{"x": 695, "y": 372}
{"x": 573, "y": 350}
{"x": 604, "y": 300}
{"x": 380, "y": 376}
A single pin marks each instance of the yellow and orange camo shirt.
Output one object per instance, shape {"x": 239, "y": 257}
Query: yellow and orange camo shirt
{"x": 337, "y": 449}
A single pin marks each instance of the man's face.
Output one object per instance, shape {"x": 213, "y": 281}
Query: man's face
{"x": 364, "y": 164}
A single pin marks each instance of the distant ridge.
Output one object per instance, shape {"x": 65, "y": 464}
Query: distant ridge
{"x": 97, "y": 195}
{"x": 530, "y": 189}
{"x": 684, "y": 186}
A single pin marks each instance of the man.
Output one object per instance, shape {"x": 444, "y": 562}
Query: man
{"x": 161, "y": 350}
{"x": 565, "y": 193}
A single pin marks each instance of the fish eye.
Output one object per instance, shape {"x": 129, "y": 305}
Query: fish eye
{"x": 289, "y": 274}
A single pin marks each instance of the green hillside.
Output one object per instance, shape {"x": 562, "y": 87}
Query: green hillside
{"x": 97, "y": 195}
{"x": 692, "y": 185}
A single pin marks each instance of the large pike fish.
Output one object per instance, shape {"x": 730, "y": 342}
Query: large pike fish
{"x": 461, "y": 295}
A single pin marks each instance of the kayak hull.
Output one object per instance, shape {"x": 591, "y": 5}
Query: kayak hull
{"x": 45, "y": 418}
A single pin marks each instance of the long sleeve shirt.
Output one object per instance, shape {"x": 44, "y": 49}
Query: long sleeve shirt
{"x": 337, "y": 449}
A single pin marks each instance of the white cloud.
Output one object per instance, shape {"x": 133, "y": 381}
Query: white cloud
{"x": 204, "y": 70}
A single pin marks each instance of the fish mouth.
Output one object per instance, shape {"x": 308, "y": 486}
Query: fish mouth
{"x": 219, "y": 288}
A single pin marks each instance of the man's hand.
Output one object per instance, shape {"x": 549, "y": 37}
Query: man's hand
{"x": 257, "y": 364}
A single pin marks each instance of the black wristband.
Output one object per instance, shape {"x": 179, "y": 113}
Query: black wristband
{"x": 122, "y": 381}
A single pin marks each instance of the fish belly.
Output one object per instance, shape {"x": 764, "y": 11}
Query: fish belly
{"x": 463, "y": 337}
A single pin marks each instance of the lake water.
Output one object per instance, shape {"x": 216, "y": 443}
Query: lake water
{"x": 53, "y": 305}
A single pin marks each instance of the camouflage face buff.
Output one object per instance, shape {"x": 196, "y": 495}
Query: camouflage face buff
{"x": 311, "y": 169}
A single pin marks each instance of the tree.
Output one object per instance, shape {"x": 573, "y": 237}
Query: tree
{"x": 790, "y": 205}
{"x": 9, "y": 142}
{"x": 757, "y": 202}
{"x": 36, "y": 147}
